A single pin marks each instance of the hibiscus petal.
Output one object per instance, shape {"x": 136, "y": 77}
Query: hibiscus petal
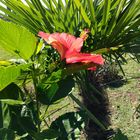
{"x": 43, "y": 35}
{"x": 67, "y": 39}
{"x": 60, "y": 48}
{"x": 56, "y": 42}
{"x": 92, "y": 68}
{"x": 68, "y": 46}
{"x": 76, "y": 46}
{"x": 85, "y": 58}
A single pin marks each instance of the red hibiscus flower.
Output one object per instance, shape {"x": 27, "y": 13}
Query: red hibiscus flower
{"x": 69, "y": 47}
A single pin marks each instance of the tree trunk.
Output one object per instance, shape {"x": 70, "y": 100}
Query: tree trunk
{"x": 95, "y": 98}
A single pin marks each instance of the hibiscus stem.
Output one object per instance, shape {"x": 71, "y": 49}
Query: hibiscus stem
{"x": 35, "y": 82}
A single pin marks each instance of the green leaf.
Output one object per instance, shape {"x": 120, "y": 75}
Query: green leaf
{"x": 55, "y": 91}
{"x": 39, "y": 46}
{"x": 17, "y": 40}
{"x": 82, "y": 11}
{"x": 134, "y": 49}
{"x": 22, "y": 122}
{"x": 117, "y": 12}
{"x": 23, "y": 15}
{"x": 7, "y": 134}
{"x": 46, "y": 96}
{"x": 47, "y": 134}
{"x": 29, "y": 110}
{"x": 9, "y": 74}
{"x": 92, "y": 12}
{"x": 28, "y": 125}
{"x": 120, "y": 136}
{"x": 126, "y": 17}
{"x": 12, "y": 102}
{"x": 12, "y": 91}
{"x": 106, "y": 13}
{"x": 5, "y": 63}
{"x": 4, "y": 116}
{"x": 69, "y": 125}
{"x": 6, "y": 55}
{"x": 65, "y": 87}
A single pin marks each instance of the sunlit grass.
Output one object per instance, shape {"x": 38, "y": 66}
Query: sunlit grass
{"x": 124, "y": 101}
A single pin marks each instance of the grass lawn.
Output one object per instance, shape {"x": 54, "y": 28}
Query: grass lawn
{"x": 124, "y": 101}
